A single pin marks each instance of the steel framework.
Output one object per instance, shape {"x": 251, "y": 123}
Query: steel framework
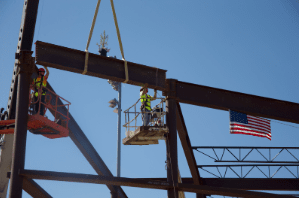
{"x": 247, "y": 151}
{"x": 175, "y": 91}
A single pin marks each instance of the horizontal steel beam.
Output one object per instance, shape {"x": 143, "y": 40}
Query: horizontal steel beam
{"x": 120, "y": 181}
{"x": 241, "y": 147}
{"x": 252, "y": 161}
{"x": 245, "y": 103}
{"x": 33, "y": 189}
{"x": 280, "y": 184}
{"x": 255, "y": 183}
{"x": 99, "y": 66}
{"x": 239, "y": 165}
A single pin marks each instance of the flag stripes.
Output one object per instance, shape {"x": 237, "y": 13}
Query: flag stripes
{"x": 249, "y": 125}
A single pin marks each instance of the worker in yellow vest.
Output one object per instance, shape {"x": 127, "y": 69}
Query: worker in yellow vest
{"x": 40, "y": 83}
{"x": 146, "y": 105}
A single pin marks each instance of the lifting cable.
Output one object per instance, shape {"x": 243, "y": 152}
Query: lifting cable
{"x": 90, "y": 35}
{"x": 118, "y": 36}
{"x": 119, "y": 41}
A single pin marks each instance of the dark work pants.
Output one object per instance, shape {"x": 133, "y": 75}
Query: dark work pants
{"x": 42, "y": 106}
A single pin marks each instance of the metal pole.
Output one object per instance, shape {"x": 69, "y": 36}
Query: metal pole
{"x": 171, "y": 142}
{"x": 119, "y": 132}
{"x": 20, "y": 135}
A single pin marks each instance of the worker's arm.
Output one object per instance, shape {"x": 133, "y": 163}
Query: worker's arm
{"x": 47, "y": 74}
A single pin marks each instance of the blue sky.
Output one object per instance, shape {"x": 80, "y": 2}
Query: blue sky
{"x": 245, "y": 46}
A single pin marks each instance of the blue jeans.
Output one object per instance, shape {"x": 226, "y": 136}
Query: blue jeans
{"x": 146, "y": 117}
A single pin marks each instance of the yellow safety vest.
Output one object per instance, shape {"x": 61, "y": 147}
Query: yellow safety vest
{"x": 37, "y": 81}
{"x": 146, "y": 100}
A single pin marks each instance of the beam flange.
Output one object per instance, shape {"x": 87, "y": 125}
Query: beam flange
{"x": 99, "y": 66}
{"x": 224, "y": 100}
{"x": 121, "y": 181}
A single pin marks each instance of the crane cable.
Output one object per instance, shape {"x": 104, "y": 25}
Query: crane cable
{"x": 119, "y": 41}
{"x": 90, "y": 35}
{"x": 118, "y": 36}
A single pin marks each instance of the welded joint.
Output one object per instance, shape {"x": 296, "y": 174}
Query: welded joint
{"x": 170, "y": 89}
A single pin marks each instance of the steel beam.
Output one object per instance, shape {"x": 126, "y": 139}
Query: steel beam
{"x": 242, "y": 147}
{"x": 20, "y": 134}
{"x": 25, "y": 39}
{"x": 99, "y": 66}
{"x": 239, "y": 165}
{"x": 34, "y": 190}
{"x": 255, "y": 183}
{"x": 86, "y": 148}
{"x": 186, "y": 144}
{"x": 121, "y": 181}
{"x": 245, "y": 103}
{"x": 171, "y": 141}
{"x": 280, "y": 184}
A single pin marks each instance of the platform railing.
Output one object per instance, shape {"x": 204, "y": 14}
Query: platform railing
{"x": 51, "y": 103}
{"x": 157, "y": 115}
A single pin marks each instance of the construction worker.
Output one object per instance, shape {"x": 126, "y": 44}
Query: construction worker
{"x": 40, "y": 83}
{"x": 146, "y": 105}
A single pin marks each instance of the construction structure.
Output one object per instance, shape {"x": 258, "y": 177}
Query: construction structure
{"x": 175, "y": 92}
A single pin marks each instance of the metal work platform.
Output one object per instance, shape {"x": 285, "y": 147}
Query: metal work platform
{"x": 7, "y": 126}
{"x": 145, "y": 135}
{"x": 38, "y": 124}
{"x": 137, "y": 133}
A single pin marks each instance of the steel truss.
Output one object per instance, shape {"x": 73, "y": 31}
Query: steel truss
{"x": 242, "y": 175}
{"x": 238, "y": 157}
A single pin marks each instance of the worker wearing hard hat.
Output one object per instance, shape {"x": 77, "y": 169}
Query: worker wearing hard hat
{"x": 146, "y": 105}
{"x": 40, "y": 83}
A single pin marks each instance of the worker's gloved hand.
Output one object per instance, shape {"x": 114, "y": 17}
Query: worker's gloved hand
{"x": 142, "y": 107}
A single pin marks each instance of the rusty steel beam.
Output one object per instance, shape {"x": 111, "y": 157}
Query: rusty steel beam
{"x": 121, "y": 181}
{"x": 245, "y": 103}
{"x": 26, "y": 64}
{"x": 186, "y": 144}
{"x": 255, "y": 183}
{"x": 171, "y": 142}
{"x": 99, "y": 66}
{"x": 280, "y": 184}
{"x": 34, "y": 190}
{"x": 25, "y": 39}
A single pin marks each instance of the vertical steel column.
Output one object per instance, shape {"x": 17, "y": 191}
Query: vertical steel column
{"x": 113, "y": 194}
{"x": 20, "y": 135}
{"x": 118, "y": 132}
{"x": 171, "y": 142}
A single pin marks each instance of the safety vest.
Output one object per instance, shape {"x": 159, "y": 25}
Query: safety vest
{"x": 146, "y": 100}
{"x": 37, "y": 81}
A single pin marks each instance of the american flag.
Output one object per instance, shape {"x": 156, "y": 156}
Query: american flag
{"x": 241, "y": 123}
